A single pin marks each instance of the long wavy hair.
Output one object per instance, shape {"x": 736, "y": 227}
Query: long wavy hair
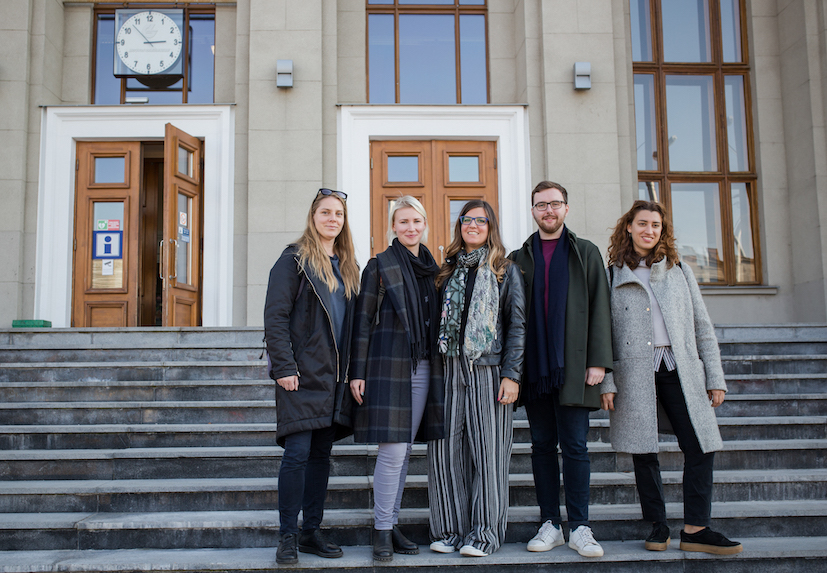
{"x": 496, "y": 249}
{"x": 622, "y": 249}
{"x": 312, "y": 253}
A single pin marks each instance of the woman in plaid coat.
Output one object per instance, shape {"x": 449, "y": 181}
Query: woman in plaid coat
{"x": 396, "y": 370}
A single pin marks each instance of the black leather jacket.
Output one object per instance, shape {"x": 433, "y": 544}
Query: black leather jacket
{"x": 300, "y": 341}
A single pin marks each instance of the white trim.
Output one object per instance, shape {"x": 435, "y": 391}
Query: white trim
{"x": 507, "y": 125}
{"x": 61, "y": 127}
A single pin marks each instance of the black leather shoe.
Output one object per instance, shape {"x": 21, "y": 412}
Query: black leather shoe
{"x": 286, "y": 553}
{"x": 402, "y": 544}
{"x": 313, "y": 541}
{"x": 659, "y": 539}
{"x": 382, "y": 545}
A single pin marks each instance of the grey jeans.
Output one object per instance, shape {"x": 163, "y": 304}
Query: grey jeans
{"x": 392, "y": 459}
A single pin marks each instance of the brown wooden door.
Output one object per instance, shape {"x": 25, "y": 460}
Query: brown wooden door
{"x": 443, "y": 175}
{"x": 105, "y": 266}
{"x": 181, "y": 246}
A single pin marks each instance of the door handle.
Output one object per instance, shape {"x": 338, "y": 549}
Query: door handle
{"x": 174, "y": 259}
{"x": 161, "y": 260}
{"x": 441, "y": 254}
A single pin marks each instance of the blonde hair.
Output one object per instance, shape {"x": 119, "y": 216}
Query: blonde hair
{"x": 312, "y": 253}
{"x": 402, "y": 203}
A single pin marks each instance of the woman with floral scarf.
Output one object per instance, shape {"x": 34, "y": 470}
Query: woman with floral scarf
{"x": 481, "y": 338}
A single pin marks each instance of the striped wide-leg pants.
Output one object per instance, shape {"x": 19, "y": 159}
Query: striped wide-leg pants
{"x": 468, "y": 469}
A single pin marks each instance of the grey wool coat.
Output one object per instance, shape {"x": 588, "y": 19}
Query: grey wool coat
{"x": 634, "y": 423}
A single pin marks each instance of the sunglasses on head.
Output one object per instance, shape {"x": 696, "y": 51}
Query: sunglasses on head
{"x": 327, "y": 192}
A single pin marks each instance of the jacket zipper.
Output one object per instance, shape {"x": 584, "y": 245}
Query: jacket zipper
{"x": 329, "y": 322}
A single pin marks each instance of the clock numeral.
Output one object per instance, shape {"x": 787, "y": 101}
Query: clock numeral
{"x": 162, "y": 63}
{"x": 149, "y": 18}
{"x": 148, "y": 67}
{"x": 128, "y": 30}
{"x": 126, "y": 54}
{"x": 136, "y": 63}
{"x": 175, "y": 42}
{"x": 137, "y": 21}
{"x": 172, "y": 29}
{"x": 123, "y": 42}
{"x": 171, "y": 55}
{"x": 163, "y": 21}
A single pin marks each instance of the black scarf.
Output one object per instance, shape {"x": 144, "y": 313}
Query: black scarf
{"x": 418, "y": 274}
{"x": 544, "y": 362}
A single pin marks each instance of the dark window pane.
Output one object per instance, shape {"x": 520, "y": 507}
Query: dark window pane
{"x": 427, "y": 59}
{"x": 137, "y": 89}
{"x": 202, "y": 58}
{"x": 472, "y": 2}
{"x": 110, "y": 169}
{"x": 381, "y": 67}
{"x": 731, "y": 30}
{"x": 745, "y": 271}
{"x": 690, "y": 116}
{"x": 107, "y": 86}
{"x": 736, "y": 123}
{"x": 403, "y": 168}
{"x": 641, "y": 31}
{"x": 646, "y": 123}
{"x": 648, "y": 191}
{"x": 696, "y": 214}
{"x": 472, "y": 59}
{"x": 686, "y": 31}
{"x": 432, "y": 2}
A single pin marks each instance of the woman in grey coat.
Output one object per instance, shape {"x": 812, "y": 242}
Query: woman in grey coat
{"x": 667, "y": 371}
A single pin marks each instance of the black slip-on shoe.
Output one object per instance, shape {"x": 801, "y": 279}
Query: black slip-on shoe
{"x": 314, "y": 541}
{"x": 286, "y": 553}
{"x": 708, "y": 541}
{"x": 659, "y": 539}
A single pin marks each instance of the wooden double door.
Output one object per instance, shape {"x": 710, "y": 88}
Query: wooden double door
{"x": 442, "y": 175}
{"x": 138, "y": 233}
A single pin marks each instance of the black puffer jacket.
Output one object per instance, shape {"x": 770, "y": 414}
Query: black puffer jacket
{"x": 300, "y": 341}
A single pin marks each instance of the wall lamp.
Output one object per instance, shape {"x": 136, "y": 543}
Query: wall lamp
{"x": 582, "y": 75}
{"x": 284, "y": 73}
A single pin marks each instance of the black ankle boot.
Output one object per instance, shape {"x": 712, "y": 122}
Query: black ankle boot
{"x": 287, "y": 553}
{"x": 382, "y": 546}
{"x": 402, "y": 544}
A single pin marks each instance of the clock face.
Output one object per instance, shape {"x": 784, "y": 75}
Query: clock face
{"x": 149, "y": 42}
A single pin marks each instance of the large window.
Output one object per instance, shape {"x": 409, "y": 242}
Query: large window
{"x": 427, "y": 52}
{"x": 694, "y": 131}
{"x": 199, "y": 55}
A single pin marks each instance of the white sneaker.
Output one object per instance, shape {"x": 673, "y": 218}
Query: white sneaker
{"x": 442, "y": 546}
{"x": 582, "y": 541}
{"x": 471, "y": 551}
{"x": 547, "y": 538}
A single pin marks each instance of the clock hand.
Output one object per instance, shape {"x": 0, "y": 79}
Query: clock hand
{"x": 142, "y": 35}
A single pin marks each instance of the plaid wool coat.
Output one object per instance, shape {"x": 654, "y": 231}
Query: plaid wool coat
{"x": 381, "y": 356}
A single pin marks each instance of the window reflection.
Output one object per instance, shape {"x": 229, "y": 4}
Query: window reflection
{"x": 645, "y": 123}
{"x": 745, "y": 266}
{"x": 648, "y": 191}
{"x": 641, "y": 31}
{"x": 381, "y": 66}
{"x": 697, "y": 219}
{"x": 731, "y": 30}
{"x": 690, "y": 119}
{"x": 472, "y": 59}
{"x": 107, "y": 86}
{"x": 686, "y": 31}
{"x": 736, "y": 123}
{"x": 427, "y": 59}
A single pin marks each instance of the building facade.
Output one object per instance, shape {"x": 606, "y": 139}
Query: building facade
{"x": 158, "y": 189}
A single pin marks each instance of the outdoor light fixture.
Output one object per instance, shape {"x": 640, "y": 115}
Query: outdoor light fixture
{"x": 582, "y": 75}
{"x": 284, "y": 73}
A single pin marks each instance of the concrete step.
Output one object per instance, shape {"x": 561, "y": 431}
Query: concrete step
{"x": 775, "y": 364}
{"x": 258, "y": 528}
{"x": 103, "y": 354}
{"x": 141, "y": 390}
{"x": 130, "y": 370}
{"x": 777, "y": 554}
{"x": 141, "y": 337}
{"x": 354, "y": 492}
{"x": 776, "y": 384}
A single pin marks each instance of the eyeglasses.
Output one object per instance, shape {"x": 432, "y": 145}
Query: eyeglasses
{"x": 480, "y": 221}
{"x": 326, "y": 192}
{"x": 544, "y": 205}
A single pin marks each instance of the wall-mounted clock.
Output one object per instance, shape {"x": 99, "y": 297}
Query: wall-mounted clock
{"x": 149, "y": 43}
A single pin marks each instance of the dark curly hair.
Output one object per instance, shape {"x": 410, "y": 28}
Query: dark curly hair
{"x": 622, "y": 249}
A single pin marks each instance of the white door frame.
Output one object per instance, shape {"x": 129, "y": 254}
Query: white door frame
{"x": 62, "y": 127}
{"x": 505, "y": 124}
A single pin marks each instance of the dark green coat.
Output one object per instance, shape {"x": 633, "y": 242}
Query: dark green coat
{"x": 588, "y": 317}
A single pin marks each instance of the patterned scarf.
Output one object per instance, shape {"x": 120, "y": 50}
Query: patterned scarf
{"x": 481, "y": 326}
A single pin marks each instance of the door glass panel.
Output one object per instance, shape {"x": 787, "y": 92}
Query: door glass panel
{"x": 427, "y": 59}
{"x": 745, "y": 270}
{"x": 110, "y": 169}
{"x": 697, "y": 218}
{"x": 648, "y": 191}
{"x": 641, "y": 31}
{"x": 463, "y": 168}
{"x": 455, "y": 207}
{"x": 686, "y": 31}
{"x": 183, "y": 255}
{"x": 645, "y": 123}
{"x": 690, "y": 117}
{"x": 184, "y": 161}
{"x": 403, "y": 168}
{"x": 731, "y": 30}
{"x": 381, "y": 66}
{"x": 472, "y": 59}
{"x": 736, "y": 123}
{"x": 107, "y": 245}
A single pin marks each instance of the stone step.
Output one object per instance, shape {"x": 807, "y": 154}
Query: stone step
{"x": 104, "y": 354}
{"x": 354, "y": 491}
{"x": 141, "y": 337}
{"x": 137, "y": 390}
{"x": 776, "y": 384}
{"x": 775, "y": 364}
{"x": 149, "y": 370}
{"x": 120, "y": 436}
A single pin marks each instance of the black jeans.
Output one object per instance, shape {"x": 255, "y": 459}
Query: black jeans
{"x": 305, "y": 467}
{"x": 697, "y": 467}
{"x": 552, "y": 423}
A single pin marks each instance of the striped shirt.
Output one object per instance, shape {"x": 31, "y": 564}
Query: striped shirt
{"x": 663, "y": 355}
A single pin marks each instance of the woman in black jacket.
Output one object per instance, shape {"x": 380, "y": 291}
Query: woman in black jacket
{"x": 308, "y": 316}
{"x": 482, "y": 338}
{"x": 396, "y": 373}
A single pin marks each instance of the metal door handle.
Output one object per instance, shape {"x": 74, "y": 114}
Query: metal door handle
{"x": 161, "y": 260}
{"x": 441, "y": 254}
{"x": 174, "y": 259}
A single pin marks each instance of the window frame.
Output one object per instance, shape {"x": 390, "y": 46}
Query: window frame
{"x": 723, "y": 176}
{"x": 456, "y": 9}
{"x": 188, "y": 11}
